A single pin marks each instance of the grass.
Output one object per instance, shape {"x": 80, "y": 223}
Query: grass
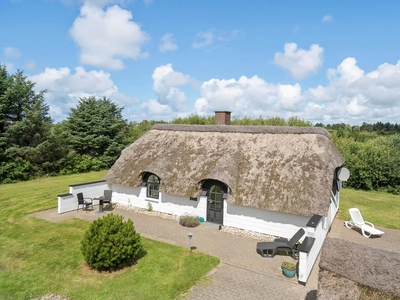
{"x": 379, "y": 208}
{"x": 38, "y": 257}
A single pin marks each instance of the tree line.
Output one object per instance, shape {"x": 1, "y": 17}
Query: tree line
{"x": 91, "y": 138}
{"x": 93, "y": 135}
{"x": 378, "y": 127}
{"x": 372, "y": 153}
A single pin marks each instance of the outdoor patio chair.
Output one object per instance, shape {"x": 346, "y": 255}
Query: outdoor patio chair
{"x": 83, "y": 201}
{"x": 268, "y": 249}
{"x": 107, "y": 197}
{"x": 367, "y": 228}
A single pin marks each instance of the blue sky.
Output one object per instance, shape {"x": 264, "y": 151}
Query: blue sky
{"x": 322, "y": 61}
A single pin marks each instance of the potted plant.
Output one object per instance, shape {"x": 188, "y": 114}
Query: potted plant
{"x": 289, "y": 269}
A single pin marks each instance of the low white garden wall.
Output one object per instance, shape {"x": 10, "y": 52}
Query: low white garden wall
{"x": 69, "y": 202}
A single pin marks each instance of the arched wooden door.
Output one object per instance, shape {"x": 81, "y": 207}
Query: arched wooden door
{"x": 215, "y": 205}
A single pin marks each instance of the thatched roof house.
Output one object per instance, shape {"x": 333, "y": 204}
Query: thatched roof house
{"x": 284, "y": 169}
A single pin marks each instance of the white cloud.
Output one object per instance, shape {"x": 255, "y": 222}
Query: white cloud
{"x": 64, "y": 89}
{"x": 203, "y": 39}
{"x": 352, "y": 96}
{"x": 107, "y": 37}
{"x": 356, "y": 106}
{"x": 289, "y": 96}
{"x": 380, "y": 87}
{"x": 355, "y": 96}
{"x": 206, "y": 38}
{"x": 343, "y": 110}
{"x": 156, "y": 110}
{"x": 228, "y": 36}
{"x": 247, "y": 96}
{"x": 321, "y": 94}
{"x": 201, "y": 107}
{"x": 11, "y": 53}
{"x": 166, "y": 83}
{"x": 346, "y": 72}
{"x": 299, "y": 62}
{"x": 167, "y": 43}
{"x": 327, "y": 19}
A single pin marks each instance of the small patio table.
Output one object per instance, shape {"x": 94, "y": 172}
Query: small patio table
{"x": 100, "y": 199}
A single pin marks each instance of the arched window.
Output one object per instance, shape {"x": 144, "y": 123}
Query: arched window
{"x": 153, "y": 185}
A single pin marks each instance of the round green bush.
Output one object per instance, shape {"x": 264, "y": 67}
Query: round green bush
{"x": 110, "y": 244}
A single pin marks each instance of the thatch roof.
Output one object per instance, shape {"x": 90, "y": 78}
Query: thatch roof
{"x": 286, "y": 169}
{"x": 371, "y": 267}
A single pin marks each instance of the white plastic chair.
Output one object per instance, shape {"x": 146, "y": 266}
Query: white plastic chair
{"x": 367, "y": 228}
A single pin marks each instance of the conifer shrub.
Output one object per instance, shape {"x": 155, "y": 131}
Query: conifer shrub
{"x": 110, "y": 244}
{"x": 189, "y": 220}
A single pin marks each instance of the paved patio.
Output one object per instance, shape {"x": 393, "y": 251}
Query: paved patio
{"x": 242, "y": 273}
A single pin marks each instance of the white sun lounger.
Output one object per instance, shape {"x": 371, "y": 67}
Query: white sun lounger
{"x": 367, "y": 228}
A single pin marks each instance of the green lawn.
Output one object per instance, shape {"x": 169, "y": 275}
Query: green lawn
{"x": 379, "y": 208}
{"x": 38, "y": 257}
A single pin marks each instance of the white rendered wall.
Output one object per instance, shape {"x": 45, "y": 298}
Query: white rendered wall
{"x": 69, "y": 202}
{"x": 273, "y": 223}
{"x": 307, "y": 260}
{"x": 264, "y": 221}
{"x": 170, "y": 204}
{"x": 129, "y": 196}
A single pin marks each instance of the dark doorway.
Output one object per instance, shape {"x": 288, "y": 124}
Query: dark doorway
{"x": 215, "y": 205}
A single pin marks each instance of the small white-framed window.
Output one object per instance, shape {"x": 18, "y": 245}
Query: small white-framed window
{"x": 153, "y": 185}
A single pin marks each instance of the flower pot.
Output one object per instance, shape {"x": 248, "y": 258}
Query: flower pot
{"x": 288, "y": 272}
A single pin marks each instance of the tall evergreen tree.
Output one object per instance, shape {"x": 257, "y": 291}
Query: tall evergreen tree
{"x": 25, "y": 127}
{"x": 96, "y": 129}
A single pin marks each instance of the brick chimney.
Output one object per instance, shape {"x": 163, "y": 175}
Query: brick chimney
{"x": 222, "y": 118}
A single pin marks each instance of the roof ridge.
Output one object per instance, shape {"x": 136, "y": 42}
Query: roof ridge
{"x": 254, "y": 129}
